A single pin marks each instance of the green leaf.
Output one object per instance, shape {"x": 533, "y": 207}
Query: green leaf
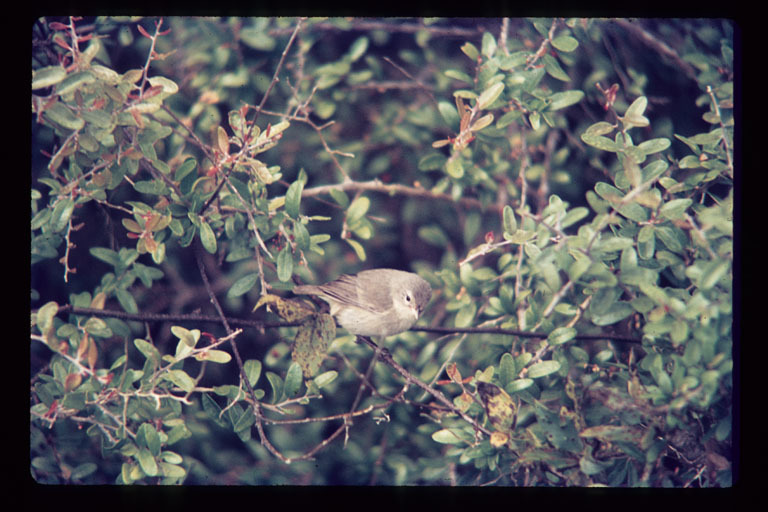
{"x": 340, "y": 197}
{"x": 470, "y": 51}
{"x": 490, "y": 95}
{"x": 74, "y": 81}
{"x": 277, "y": 386}
{"x": 189, "y": 337}
{"x": 106, "y": 255}
{"x": 535, "y": 119}
{"x": 654, "y": 169}
{"x": 60, "y": 114}
{"x": 215, "y": 356}
{"x": 458, "y": 75}
{"x": 509, "y": 221}
{"x": 358, "y": 209}
{"x": 565, "y": 43}
{"x": 358, "y": 248}
{"x": 252, "y": 369}
{"x": 542, "y": 369}
{"x": 637, "y": 108}
{"x": 573, "y": 216}
{"x": 257, "y": 38}
{"x": 466, "y": 315}
{"x": 518, "y": 385}
{"x": 244, "y": 420}
{"x": 600, "y": 128}
{"x": 152, "y": 187}
{"x": 212, "y": 409}
{"x": 616, "y": 312}
{"x": 293, "y": 199}
{"x": 207, "y": 237}
{"x": 147, "y": 462}
{"x": 62, "y": 213}
{"x": 454, "y": 168}
{"x": 181, "y": 379}
{"x": 613, "y": 243}
{"x": 433, "y": 235}
{"x": 147, "y": 436}
{"x": 147, "y": 349}
{"x": 654, "y": 145}
{"x": 358, "y": 48}
{"x": 634, "y": 115}
{"x": 675, "y": 209}
{"x": 672, "y": 238}
{"x": 713, "y": 273}
{"x": 243, "y": 285}
{"x": 488, "y": 44}
{"x": 600, "y": 142}
{"x": 293, "y": 381}
{"x": 656, "y": 294}
{"x": 83, "y": 470}
{"x": 98, "y": 327}
{"x": 301, "y": 236}
{"x": 561, "y": 335}
{"x": 47, "y": 76}
{"x": 449, "y": 113}
{"x": 285, "y": 264}
{"x": 325, "y": 378}
{"x": 507, "y": 369}
{"x": 184, "y": 169}
{"x": 564, "y": 99}
{"x": 553, "y": 68}
{"x": 447, "y": 436}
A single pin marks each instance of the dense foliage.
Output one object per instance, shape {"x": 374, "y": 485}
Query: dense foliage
{"x": 565, "y": 186}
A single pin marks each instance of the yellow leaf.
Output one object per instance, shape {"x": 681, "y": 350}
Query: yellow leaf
{"x": 72, "y": 381}
{"x": 98, "y": 301}
{"x": 288, "y": 310}
{"x": 499, "y": 406}
{"x": 499, "y": 439}
{"x": 311, "y": 343}
{"x": 223, "y": 140}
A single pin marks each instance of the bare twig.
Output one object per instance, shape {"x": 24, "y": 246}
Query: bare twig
{"x": 275, "y": 78}
{"x": 256, "y": 407}
{"x": 531, "y": 60}
{"x": 364, "y": 25}
{"x": 391, "y": 189}
{"x": 256, "y": 324}
{"x": 385, "y": 356}
{"x": 659, "y": 46}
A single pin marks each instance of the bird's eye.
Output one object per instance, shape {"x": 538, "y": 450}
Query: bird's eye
{"x": 407, "y": 297}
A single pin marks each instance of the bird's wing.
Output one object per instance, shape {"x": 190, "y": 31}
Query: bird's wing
{"x": 344, "y": 290}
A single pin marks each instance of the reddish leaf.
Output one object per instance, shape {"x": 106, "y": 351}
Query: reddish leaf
{"x": 143, "y": 32}
{"x": 152, "y": 91}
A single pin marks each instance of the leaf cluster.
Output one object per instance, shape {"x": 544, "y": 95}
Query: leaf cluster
{"x": 230, "y": 158}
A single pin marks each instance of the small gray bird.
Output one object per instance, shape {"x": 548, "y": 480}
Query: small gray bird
{"x": 378, "y": 302}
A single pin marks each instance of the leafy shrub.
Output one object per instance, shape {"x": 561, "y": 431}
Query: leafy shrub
{"x": 565, "y": 185}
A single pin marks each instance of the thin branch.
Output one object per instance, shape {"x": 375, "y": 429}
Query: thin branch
{"x": 390, "y": 189}
{"x": 390, "y": 27}
{"x": 386, "y": 356}
{"x": 275, "y": 78}
{"x": 531, "y": 60}
{"x": 724, "y": 138}
{"x": 657, "y": 45}
{"x": 260, "y": 325}
{"x": 160, "y": 317}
